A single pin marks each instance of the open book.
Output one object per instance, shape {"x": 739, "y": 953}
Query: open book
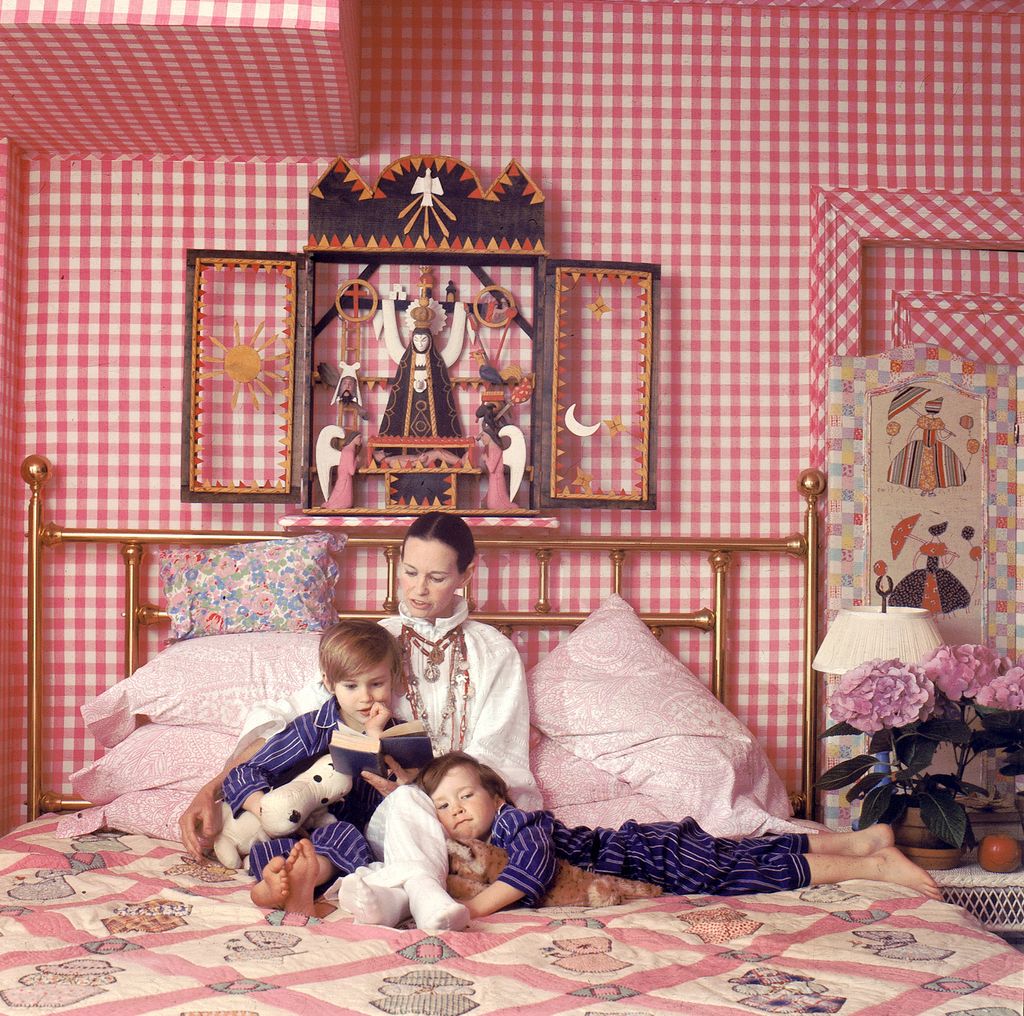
{"x": 353, "y": 751}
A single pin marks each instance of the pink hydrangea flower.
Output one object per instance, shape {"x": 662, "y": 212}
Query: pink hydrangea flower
{"x": 881, "y": 694}
{"x": 1004, "y": 691}
{"x": 962, "y": 671}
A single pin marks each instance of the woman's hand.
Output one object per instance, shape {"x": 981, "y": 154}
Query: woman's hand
{"x": 200, "y": 822}
{"x": 384, "y": 786}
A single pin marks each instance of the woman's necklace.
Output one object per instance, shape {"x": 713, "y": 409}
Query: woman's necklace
{"x": 433, "y": 653}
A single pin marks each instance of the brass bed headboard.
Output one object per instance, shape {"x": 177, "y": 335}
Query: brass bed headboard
{"x": 545, "y": 546}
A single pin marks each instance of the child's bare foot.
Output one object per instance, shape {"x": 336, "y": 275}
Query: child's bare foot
{"x": 303, "y": 878}
{"x": 272, "y": 890}
{"x": 895, "y": 867}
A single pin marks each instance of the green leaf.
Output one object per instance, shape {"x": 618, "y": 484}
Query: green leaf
{"x": 1013, "y": 763}
{"x": 847, "y": 771}
{"x": 954, "y": 731}
{"x": 916, "y": 755}
{"x": 876, "y": 802}
{"x": 842, "y": 729}
{"x": 972, "y": 788}
{"x": 864, "y": 784}
{"x": 880, "y": 741}
{"x": 943, "y": 816}
{"x": 1008, "y": 722}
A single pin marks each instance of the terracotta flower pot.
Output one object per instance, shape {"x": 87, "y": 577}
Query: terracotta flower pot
{"x": 919, "y": 844}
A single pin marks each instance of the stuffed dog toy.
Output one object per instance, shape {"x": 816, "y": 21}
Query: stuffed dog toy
{"x": 300, "y": 804}
{"x": 475, "y": 865}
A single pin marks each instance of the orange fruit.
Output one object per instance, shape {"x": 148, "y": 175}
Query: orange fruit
{"x": 999, "y": 853}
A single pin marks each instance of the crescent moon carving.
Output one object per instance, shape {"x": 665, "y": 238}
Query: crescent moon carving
{"x": 579, "y": 429}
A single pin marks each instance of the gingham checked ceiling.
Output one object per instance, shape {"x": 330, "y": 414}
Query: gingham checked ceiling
{"x": 207, "y": 78}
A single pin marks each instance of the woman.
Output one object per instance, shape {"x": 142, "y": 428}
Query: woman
{"x": 466, "y": 684}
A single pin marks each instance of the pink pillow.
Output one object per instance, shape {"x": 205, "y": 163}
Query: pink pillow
{"x": 211, "y": 682}
{"x": 581, "y": 794}
{"x": 147, "y": 812}
{"x": 155, "y": 755}
{"x": 277, "y": 585}
{"x": 612, "y": 696}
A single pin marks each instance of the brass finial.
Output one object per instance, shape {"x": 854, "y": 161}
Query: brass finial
{"x": 35, "y": 471}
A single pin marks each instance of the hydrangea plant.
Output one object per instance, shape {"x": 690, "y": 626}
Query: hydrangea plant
{"x": 966, "y": 696}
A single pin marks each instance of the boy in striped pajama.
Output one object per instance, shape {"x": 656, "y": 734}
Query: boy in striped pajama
{"x": 361, "y": 664}
{"x": 472, "y": 803}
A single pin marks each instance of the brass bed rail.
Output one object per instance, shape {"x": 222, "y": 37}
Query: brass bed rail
{"x": 545, "y": 546}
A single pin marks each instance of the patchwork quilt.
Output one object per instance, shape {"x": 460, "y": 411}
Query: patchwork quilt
{"x": 122, "y": 924}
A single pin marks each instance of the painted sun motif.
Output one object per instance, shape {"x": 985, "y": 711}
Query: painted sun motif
{"x": 245, "y": 364}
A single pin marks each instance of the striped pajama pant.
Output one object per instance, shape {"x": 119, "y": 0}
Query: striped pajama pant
{"x": 341, "y": 843}
{"x": 682, "y": 858}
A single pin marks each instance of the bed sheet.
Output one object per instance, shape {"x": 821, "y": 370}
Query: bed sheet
{"x": 123, "y": 924}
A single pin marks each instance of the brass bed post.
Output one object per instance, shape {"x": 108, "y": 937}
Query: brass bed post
{"x": 811, "y": 484}
{"x": 720, "y": 561}
{"x": 543, "y": 556}
{"x": 133, "y": 554}
{"x": 390, "y": 604}
{"x": 35, "y": 471}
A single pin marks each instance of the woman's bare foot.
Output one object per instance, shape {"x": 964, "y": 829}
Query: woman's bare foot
{"x": 894, "y": 866}
{"x": 862, "y": 843}
{"x": 272, "y": 890}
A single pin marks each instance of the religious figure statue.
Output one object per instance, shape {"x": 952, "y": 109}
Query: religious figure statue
{"x": 421, "y": 402}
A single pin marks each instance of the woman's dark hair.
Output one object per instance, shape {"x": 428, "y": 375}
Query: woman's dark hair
{"x": 451, "y": 530}
{"x": 431, "y": 775}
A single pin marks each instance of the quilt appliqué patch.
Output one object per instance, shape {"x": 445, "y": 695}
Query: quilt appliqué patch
{"x": 584, "y": 955}
{"x": 59, "y": 984}
{"x": 426, "y": 992}
{"x": 772, "y": 990}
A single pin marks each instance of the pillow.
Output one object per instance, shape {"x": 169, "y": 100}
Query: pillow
{"x": 279, "y": 585}
{"x": 581, "y": 794}
{"x": 211, "y": 682}
{"x": 611, "y": 695}
{"x": 155, "y": 755}
{"x": 149, "y": 812}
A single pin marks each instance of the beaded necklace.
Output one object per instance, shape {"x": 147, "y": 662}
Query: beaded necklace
{"x": 458, "y": 670}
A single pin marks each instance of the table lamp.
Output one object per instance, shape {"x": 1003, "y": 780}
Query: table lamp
{"x": 859, "y": 634}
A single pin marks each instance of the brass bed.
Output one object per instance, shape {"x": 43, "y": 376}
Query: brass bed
{"x": 98, "y": 918}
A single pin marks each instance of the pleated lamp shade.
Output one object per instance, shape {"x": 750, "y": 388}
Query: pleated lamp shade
{"x": 859, "y": 634}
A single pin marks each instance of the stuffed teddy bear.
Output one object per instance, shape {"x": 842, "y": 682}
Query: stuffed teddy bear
{"x": 475, "y": 865}
{"x": 300, "y": 804}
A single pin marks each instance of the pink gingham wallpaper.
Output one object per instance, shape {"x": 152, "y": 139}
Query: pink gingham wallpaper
{"x": 12, "y": 250}
{"x": 689, "y": 135}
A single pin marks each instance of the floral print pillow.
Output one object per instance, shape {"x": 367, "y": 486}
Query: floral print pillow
{"x": 278, "y": 585}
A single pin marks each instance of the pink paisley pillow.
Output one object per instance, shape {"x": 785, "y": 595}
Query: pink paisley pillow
{"x": 155, "y": 755}
{"x": 276, "y": 585}
{"x": 147, "y": 812}
{"x": 612, "y": 696}
{"x": 581, "y": 794}
{"x": 211, "y": 683}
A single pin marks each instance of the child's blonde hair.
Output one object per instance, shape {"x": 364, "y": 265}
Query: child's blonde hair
{"x": 431, "y": 775}
{"x": 351, "y": 648}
